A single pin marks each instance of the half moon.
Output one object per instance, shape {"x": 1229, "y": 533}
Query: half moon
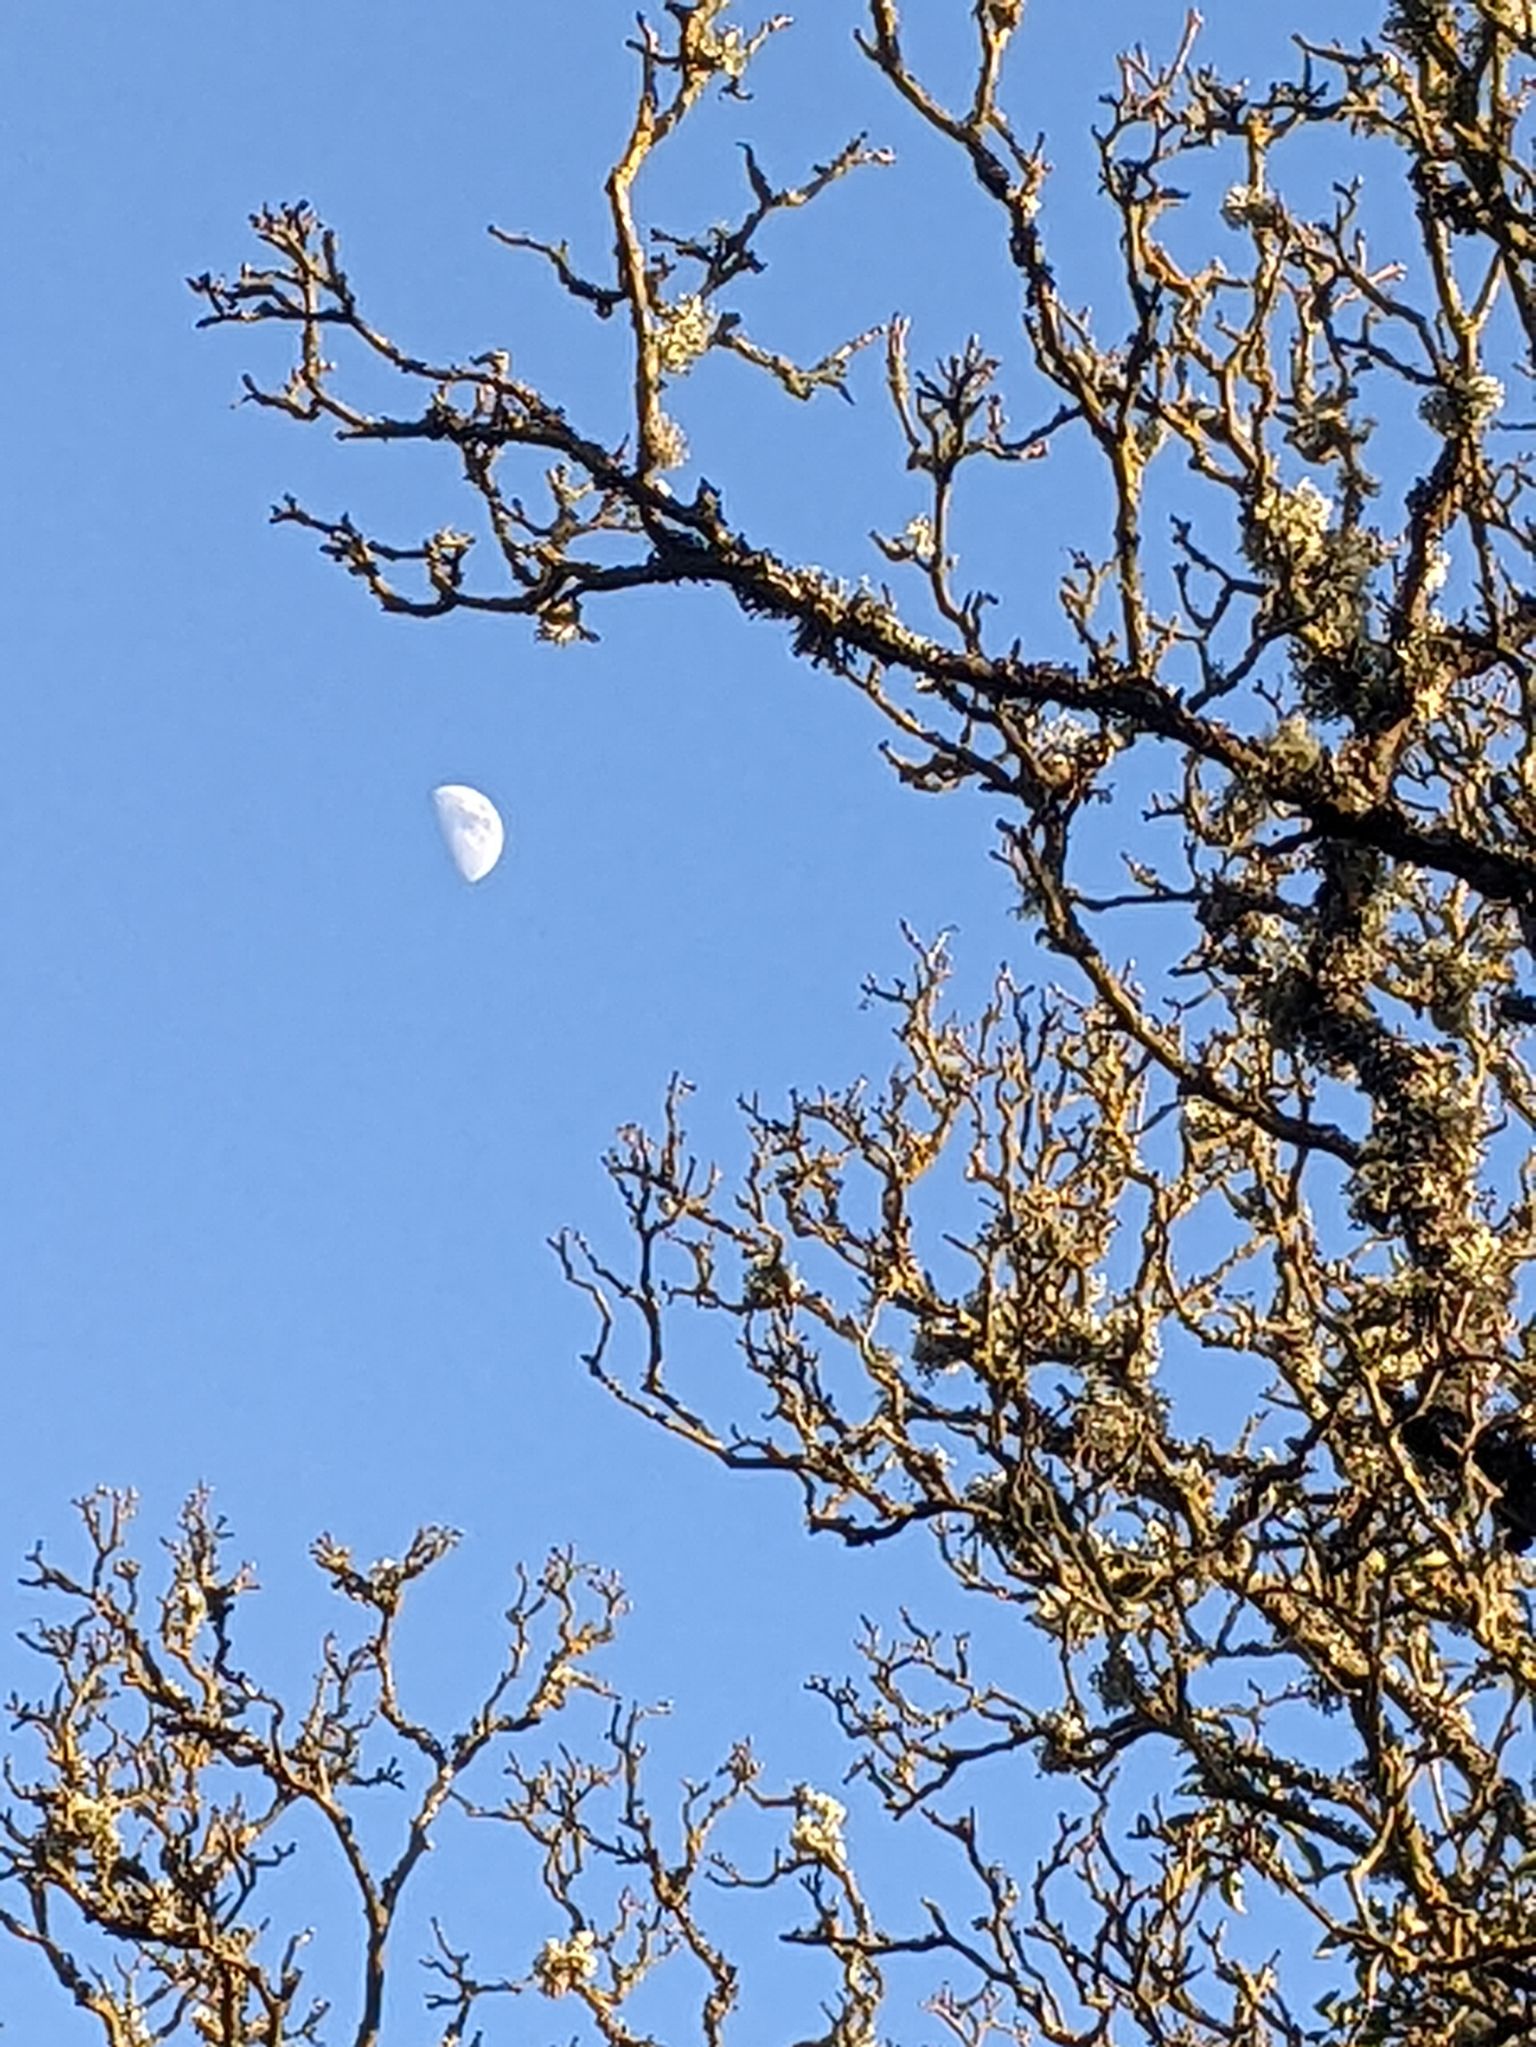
{"x": 471, "y": 827}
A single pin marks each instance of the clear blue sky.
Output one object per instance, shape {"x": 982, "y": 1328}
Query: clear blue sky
{"x": 289, "y": 1111}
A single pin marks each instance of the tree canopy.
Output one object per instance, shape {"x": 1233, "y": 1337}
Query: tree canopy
{"x": 1286, "y": 1154}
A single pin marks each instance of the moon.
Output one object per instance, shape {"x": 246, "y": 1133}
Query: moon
{"x": 471, "y": 827}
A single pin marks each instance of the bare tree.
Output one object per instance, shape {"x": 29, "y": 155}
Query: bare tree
{"x": 1299, "y": 1154}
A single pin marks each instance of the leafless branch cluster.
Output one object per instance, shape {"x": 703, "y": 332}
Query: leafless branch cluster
{"x": 172, "y": 1787}
{"x": 171, "y": 1781}
{"x": 1016, "y": 1294}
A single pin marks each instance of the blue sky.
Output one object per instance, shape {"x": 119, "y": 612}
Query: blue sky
{"x": 290, "y": 1111}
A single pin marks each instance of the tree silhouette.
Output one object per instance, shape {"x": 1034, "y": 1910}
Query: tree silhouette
{"x": 1297, "y": 1151}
